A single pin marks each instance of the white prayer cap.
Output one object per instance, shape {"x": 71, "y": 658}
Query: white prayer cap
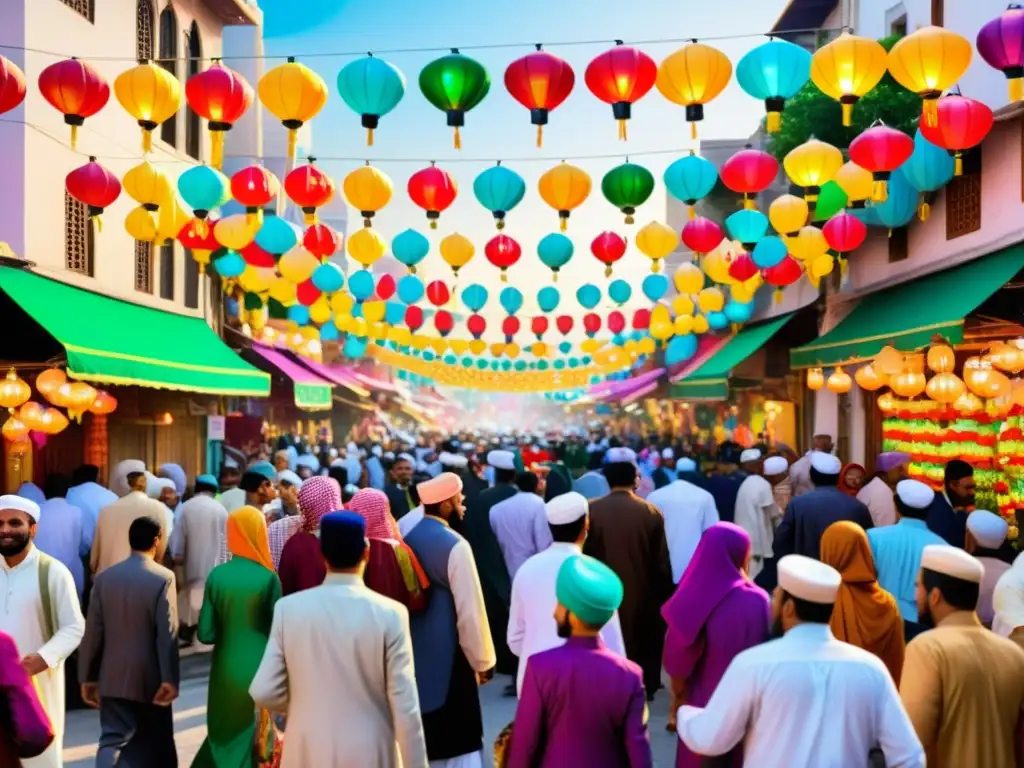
{"x": 229, "y": 463}
{"x": 825, "y": 463}
{"x": 287, "y": 476}
{"x": 988, "y": 529}
{"x": 377, "y": 451}
{"x": 155, "y": 485}
{"x": 406, "y": 457}
{"x": 389, "y": 456}
{"x": 751, "y": 454}
{"x": 10, "y": 501}
{"x": 502, "y": 459}
{"x": 454, "y": 460}
{"x": 809, "y": 579}
{"x": 620, "y": 456}
{"x": 914, "y": 494}
{"x": 775, "y": 465}
{"x": 952, "y": 561}
{"x": 338, "y": 463}
{"x": 567, "y": 508}
{"x": 686, "y": 464}
{"x": 332, "y": 452}
{"x": 668, "y": 453}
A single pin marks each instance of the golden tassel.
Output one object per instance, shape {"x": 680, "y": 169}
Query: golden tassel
{"x": 563, "y": 224}
{"x": 458, "y": 138}
{"x": 293, "y": 140}
{"x": 656, "y": 267}
{"x": 202, "y": 269}
{"x": 773, "y": 122}
{"x": 629, "y": 219}
{"x": 923, "y": 211}
{"x": 554, "y": 277}
{"x": 74, "y": 137}
{"x": 748, "y": 203}
{"x": 433, "y": 223}
{"x": 309, "y": 218}
{"x": 369, "y": 137}
{"x": 777, "y": 296}
{"x": 147, "y": 141}
{"x": 847, "y": 115}
{"x": 1016, "y": 88}
{"x": 958, "y": 166}
{"x": 879, "y": 192}
{"x": 540, "y": 135}
{"x": 202, "y": 227}
{"x": 691, "y": 213}
{"x": 622, "y": 130}
{"x": 608, "y": 271}
{"x": 217, "y": 149}
{"x": 843, "y": 265}
{"x": 504, "y": 275}
{"x": 931, "y": 111}
{"x": 99, "y": 222}
{"x": 693, "y": 130}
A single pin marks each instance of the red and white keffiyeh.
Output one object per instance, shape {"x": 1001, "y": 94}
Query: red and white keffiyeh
{"x": 318, "y": 496}
{"x": 375, "y": 509}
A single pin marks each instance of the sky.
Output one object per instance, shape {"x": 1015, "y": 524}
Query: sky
{"x": 499, "y": 128}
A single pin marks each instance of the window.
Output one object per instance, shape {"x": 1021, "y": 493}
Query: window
{"x": 143, "y": 267}
{"x": 193, "y": 125}
{"x": 167, "y": 270}
{"x": 144, "y": 30}
{"x": 963, "y": 197}
{"x": 78, "y": 236}
{"x": 84, "y": 7}
{"x": 898, "y": 249}
{"x": 191, "y": 281}
{"x": 938, "y": 12}
{"x": 899, "y": 26}
{"x": 169, "y": 61}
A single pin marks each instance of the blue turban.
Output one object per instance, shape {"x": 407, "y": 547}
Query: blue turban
{"x": 589, "y": 589}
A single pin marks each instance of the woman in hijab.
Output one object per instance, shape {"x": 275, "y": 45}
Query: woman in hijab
{"x": 715, "y": 613}
{"x": 235, "y": 619}
{"x": 393, "y": 569}
{"x": 851, "y": 479}
{"x": 302, "y": 564}
{"x": 865, "y": 615}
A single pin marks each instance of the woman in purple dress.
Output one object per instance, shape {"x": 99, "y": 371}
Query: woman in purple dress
{"x": 715, "y": 613}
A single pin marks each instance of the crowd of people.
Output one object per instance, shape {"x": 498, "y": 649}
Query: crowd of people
{"x": 800, "y": 611}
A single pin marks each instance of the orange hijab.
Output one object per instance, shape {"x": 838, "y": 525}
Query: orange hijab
{"x": 247, "y": 536}
{"x": 865, "y": 615}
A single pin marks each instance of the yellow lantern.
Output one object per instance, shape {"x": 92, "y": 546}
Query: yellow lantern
{"x": 839, "y": 381}
{"x": 141, "y": 225}
{"x": 477, "y": 346}
{"x": 815, "y": 379}
{"x": 821, "y": 266}
{"x": 945, "y": 387}
{"x": 941, "y": 359}
{"x": 700, "y": 324}
{"x": 1007, "y": 357}
{"x": 373, "y": 311}
{"x": 847, "y": 68}
{"x": 888, "y": 361}
{"x": 811, "y": 165}
{"x": 52, "y": 422}
{"x": 151, "y": 95}
{"x": 171, "y": 220}
{"x": 297, "y": 265}
{"x": 683, "y": 324}
{"x": 50, "y": 380}
{"x": 887, "y": 403}
{"x": 788, "y": 214}
{"x": 927, "y": 62}
{"x": 564, "y": 188}
{"x": 148, "y": 185}
{"x": 456, "y": 251}
{"x": 342, "y": 303}
{"x": 711, "y": 300}
{"x": 294, "y": 94}
{"x": 368, "y": 190}
{"x": 908, "y": 383}
{"x": 976, "y": 374}
{"x": 683, "y": 305}
{"x": 808, "y": 244}
{"x": 869, "y": 379}
{"x": 366, "y": 246}
{"x": 256, "y": 279}
{"x": 320, "y": 310}
{"x": 236, "y": 231}
{"x": 688, "y": 279}
{"x": 969, "y": 402}
{"x": 660, "y": 325}
{"x": 13, "y": 391}
{"x": 656, "y": 241}
{"x": 856, "y": 182}
{"x": 282, "y": 290}
{"x": 693, "y": 76}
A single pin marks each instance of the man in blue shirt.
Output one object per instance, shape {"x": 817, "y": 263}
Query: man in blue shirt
{"x": 948, "y": 513}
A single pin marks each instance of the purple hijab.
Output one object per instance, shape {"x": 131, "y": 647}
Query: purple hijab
{"x": 714, "y": 572}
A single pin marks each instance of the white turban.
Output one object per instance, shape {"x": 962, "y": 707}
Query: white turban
{"x": 27, "y": 506}
{"x": 775, "y": 465}
{"x": 119, "y": 477}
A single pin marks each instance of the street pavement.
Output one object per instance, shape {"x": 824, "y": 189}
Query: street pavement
{"x": 190, "y": 720}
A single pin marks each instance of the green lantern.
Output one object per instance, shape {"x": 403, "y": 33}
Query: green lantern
{"x": 455, "y": 84}
{"x": 627, "y": 187}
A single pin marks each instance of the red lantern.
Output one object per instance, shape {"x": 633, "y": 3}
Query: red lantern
{"x": 608, "y": 247}
{"x": 962, "y": 123}
{"x": 12, "y": 85}
{"x": 321, "y": 241}
{"x": 309, "y": 188}
{"x": 844, "y": 232}
{"x": 749, "y": 172}
{"x": 641, "y": 319}
{"x": 616, "y": 322}
{"x": 742, "y": 268}
{"x": 306, "y": 293}
{"x": 95, "y": 186}
{"x": 502, "y": 251}
{"x": 433, "y": 190}
{"x": 257, "y": 257}
{"x": 591, "y": 323}
{"x": 438, "y": 293}
{"x": 386, "y": 287}
{"x": 74, "y": 89}
{"x": 254, "y": 187}
{"x": 443, "y": 322}
{"x": 786, "y": 272}
{"x": 540, "y": 82}
{"x": 565, "y": 324}
{"x": 539, "y": 326}
{"x": 197, "y": 237}
{"x": 702, "y": 235}
{"x": 881, "y": 150}
{"x": 510, "y": 327}
{"x": 221, "y": 96}
{"x": 413, "y": 317}
{"x": 476, "y": 325}
{"x": 621, "y": 77}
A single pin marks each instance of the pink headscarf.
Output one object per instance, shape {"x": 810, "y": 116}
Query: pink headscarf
{"x": 375, "y": 509}
{"x": 318, "y": 496}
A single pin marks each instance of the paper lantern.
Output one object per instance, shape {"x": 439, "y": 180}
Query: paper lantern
{"x": 171, "y": 220}
{"x": 235, "y": 232}
{"x": 627, "y": 187}
{"x": 1007, "y": 357}
{"x": 689, "y": 179}
{"x": 564, "y": 188}
{"x": 857, "y": 184}
{"x": 928, "y": 169}
{"x": 749, "y": 172}
{"x": 773, "y": 72}
{"x": 151, "y": 95}
{"x": 656, "y": 241}
{"x": 309, "y": 188}
{"x": 141, "y": 225}
{"x": 74, "y": 89}
{"x": 839, "y": 381}
{"x": 410, "y": 248}
{"x": 457, "y": 251}
{"x": 476, "y": 325}
{"x": 433, "y": 190}
{"x": 927, "y": 62}
{"x": 847, "y": 68}
{"x": 742, "y": 268}
{"x": 769, "y": 251}
{"x": 321, "y": 240}
{"x": 52, "y": 422}
{"x": 908, "y": 383}
{"x": 14, "y": 430}
{"x": 371, "y": 87}
{"x": 1000, "y": 43}
{"x": 94, "y": 186}
{"x": 945, "y": 388}
{"x": 899, "y": 207}
{"x": 294, "y": 94}
{"x": 147, "y": 185}
{"x": 455, "y": 84}
{"x": 844, "y": 232}
{"x": 788, "y": 214}
{"x": 366, "y": 246}
{"x": 13, "y": 391}
{"x": 608, "y": 248}
{"x": 540, "y": 82}
{"x": 881, "y": 150}
{"x": 941, "y": 358}
{"x": 499, "y": 190}
{"x": 692, "y": 77}
{"x": 502, "y": 251}
{"x": 203, "y": 189}
{"x": 786, "y": 272}
{"x": 815, "y": 379}
{"x": 367, "y": 189}
{"x": 254, "y": 187}
{"x": 702, "y": 235}
{"x": 869, "y": 379}
{"x": 621, "y": 77}
{"x": 12, "y": 85}
{"x": 812, "y": 164}
{"x": 220, "y": 96}
{"x": 961, "y": 123}
{"x": 298, "y": 265}
{"x": 747, "y": 226}
{"x": 438, "y": 293}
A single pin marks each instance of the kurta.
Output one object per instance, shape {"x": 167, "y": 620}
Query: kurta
{"x": 808, "y": 516}
{"x": 628, "y": 535}
{"x": 757, "y": 514}
{"x": 22, "y": 619}
{"x": 199, "y": 538}
{"x": 90, "y": 498}
{"x": 994, "y": 570}
{"x": 581, "y": 705}
{"x": 963, "y": 688}
{"x": 302, "y": 563}
{"x": 897, "y": 552}
{"x": 520, "y": 524}
{"x": 235, "y": 620}
{"x": 110, "y": 545}
{"x": 688, "y": 511}
{"x": 805, "y": 699}
{"x": 62, "y": 535}
{"x": 877, "y": 496}
{"x": 800, "y": 475}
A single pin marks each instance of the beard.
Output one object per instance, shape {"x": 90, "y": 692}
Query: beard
{"x": 925, "y": 619}
{"x": 14, "y": 544}
{"x": 777, "y": 630}
{"x": 565, "y": 629}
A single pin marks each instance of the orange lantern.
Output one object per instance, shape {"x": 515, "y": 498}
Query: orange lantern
{"x": 869, "y": 379}
{"x": 104, "y": 404}
{"x": 1007, "y": 357}
{"x": 887, "y": 403}
{"x": 50, "y": 381}
{"x": 53, "y": 422}
{"x": 888, "y": 361}
{"x": 968, "y": 402}
{"x": 815, "y": 379}
{"x": 14, "y": 430}
{"x": 839, "y": 381}
{"x": 31, "y": 415}
{"x": 13, "y": 391}
{"x": 945, "y": 387}
{"x": 61, "y": 396}
{"x": 80, "y": 398}
{"x": 908, "y": 383}
{"x": 941, "y": 359}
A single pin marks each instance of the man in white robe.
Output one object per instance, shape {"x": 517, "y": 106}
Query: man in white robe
{"x": 196, "y": 548}
{"x": 800, "y": 471}
{"x": 531, "y": 626}
{"x": 1008, "y": 603}
{"x": 688, "y": 510}
{"x": 756, "y": 510}
{"x": 40, "y": 611}
{"x": 878, "y": 493}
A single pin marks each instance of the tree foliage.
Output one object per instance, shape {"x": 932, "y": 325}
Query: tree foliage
{"x": 812, "y": 113}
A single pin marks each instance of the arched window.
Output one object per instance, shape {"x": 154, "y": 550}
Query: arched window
{"x": 193, "y": 125}
{"x": 169, "y": 61}
{"x": 144, "y": 30}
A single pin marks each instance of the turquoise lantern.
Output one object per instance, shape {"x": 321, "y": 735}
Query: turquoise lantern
{"x": 355, "y": 346}
{"x": 360, "y": 285}
{"x": 298, "y": 314}
{"x": 899, "y": 207}
{"x": 588, "y": 295}
{"x": 769, "y": 251}
{"x": 565, "y": 347}
{"x": 474, "y": 297}
{"x": 681, "y": 348}
{"x": 717, "y": 321}
{"x": 737, "y": 312}
{"x": 655, "y": 287}
{"x": 928, "y": 169}
{"x": 410, "y": 247}
{"x": 328, "y": 332}
{"x": 554, "y": 251}
{"x": 328, "y": 278}
{"x": 275, "y": 235}
{"x": 499, "y": 190}
{"x": 548, "y": 298}
{"x": 511, "y": 299}
{"x": 410, "y": 289}
{"x": 394, "y": 312}
{"x": 773, "y": 72}
{"x": 690, "y": 178}
{"x": 203, "y": 189}
{"x": 619, "y": 291}
{"x": 748, "y": 226}
{"x": 230, "y": 265}
{"x": 371, "y": 88}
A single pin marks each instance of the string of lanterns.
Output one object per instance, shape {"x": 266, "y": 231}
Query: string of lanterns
{"x": 27, "y": 415}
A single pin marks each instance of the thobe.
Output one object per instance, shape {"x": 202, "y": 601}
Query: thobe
{"x": 1008, "y": 602}
{"x": 628, "y": 535}
{"x": 897, "y": 552}
{"x": 90, "y": 498}
{"x": 994, "y": 569}
{"x": 22, "y": 619}
{"x": 61, "y": 534}
{"x": 800, "y": 475}
{"x": 198, "y": 536}
{"x": 757, "y": 514}
{"x": 963, "y": 688}
{"x": 877, "y": 496}
{"x": 520, "y": 524}
{"x": 809, "y": 515}
{"x": 110, "y": 545}
{"x": 947, "y": 522}
{"x": 688, "y": 511}
{"x": 531, "y": 624}
{"x": 805, "y": 699}
{"x": 581, "y": 705}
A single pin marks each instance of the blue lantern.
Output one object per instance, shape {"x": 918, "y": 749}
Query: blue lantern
{"x": 554, "y": 251}
{"x": 506, "y": 365}
{"x": 474, "y": 297}
{"x": 618, "y": 339}
{"x": 511, "y": 299}
{"x": 328, "y": 332}
{"x": 355, "y": 346}
{"x": 360, "y": 285}
{"x": 520, "y": 365}
{"x": 690, "y": 178}
{"x": 410, "y": 247}
{"x": 548, "y": 299}
{"x": 747, "y": 226}
{"x": 499, "y": 190}
{"x": 717, "y": 321}
{"x": 394, "y": 312}
{"x": 481, "y": 364}
{"x": 230, "y": 265}
{"x": 680, "y": 348}
{"x": 357, "y": 309}
{"x": 276, "y": 235}
{"x": 655, "y": 287}
{"x": 298, "y": 314}
{"x": 900, "y": 205}
{"x": 619, "y": 291}
{"x": 565, "y": 347}
{"x": 410, "y": 289}
{"x": 371, "y": 88}
{"x": 928, "y": 168}
{"x": 203, "y": 189}
{"x": 559, "y": 365}
{"x": 769, "y": 251}
{"x": 328, "y": 277}
{"x": 450, "y": 359}
{"x": 589, "y": 296}
{"x": 735, "y": 312}
{"x": 467, "y": 362}
{"x": 773, "y": 72}
{"x": 542, "y": 365}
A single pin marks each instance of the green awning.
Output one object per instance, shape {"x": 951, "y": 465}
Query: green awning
{"x": 711, "y": 380}
{"x": 908, "y": 315}
{"x": 116, "y": 342}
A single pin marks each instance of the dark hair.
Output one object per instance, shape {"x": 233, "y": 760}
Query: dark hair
{"x": 907, "y": 511}
{"x": 55, "y": 486}
{"x": 504, "y": 475}
{"x": 568, "y": 533}
{"x": 432, "y": 509}
{"x": 341, "y": 554}
{"x": 346, "y": 494}
{"x": 205, "y": 488}
{"x": 226, "y": 470}
{"x": 340, "y": 474}
{"x": 821, "y": 480}
{"x": 957, "y": 470}
{"x": 620, "y": 474}
{"x": 813, "y": 613}
{"x": 131, "y": 477}
{"x": 401, "y": 459}
{"x": 142, "y": 533}
{"x": 86, "y": 473}
{"x": 961, "y": 594}
{"x": 527, "y": 482}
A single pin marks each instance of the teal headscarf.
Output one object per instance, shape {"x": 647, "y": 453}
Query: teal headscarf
{"x": 589, "y": 589}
